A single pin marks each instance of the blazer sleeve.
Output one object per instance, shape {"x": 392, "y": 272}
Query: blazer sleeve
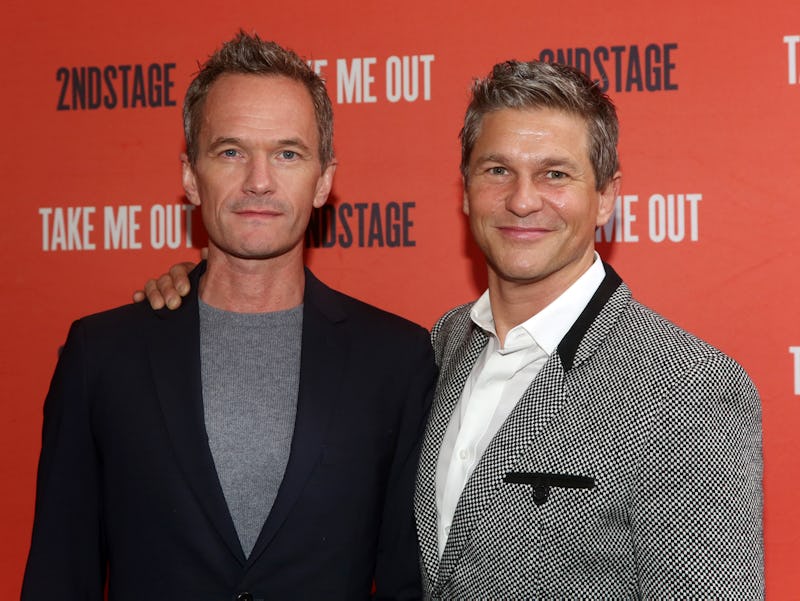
{"x": 66, "y": 559}
{"x": 697, "y": 511}
{"x": 397, "y": 571}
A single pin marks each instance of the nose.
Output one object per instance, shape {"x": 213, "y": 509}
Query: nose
{"x": 259, "y": 178}
{"x": 524, "y": 198}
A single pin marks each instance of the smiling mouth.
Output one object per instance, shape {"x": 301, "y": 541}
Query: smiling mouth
{"x": 523, "y": 233}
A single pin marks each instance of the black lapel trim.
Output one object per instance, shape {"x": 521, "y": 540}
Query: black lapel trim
{"x": 569, "y": 344}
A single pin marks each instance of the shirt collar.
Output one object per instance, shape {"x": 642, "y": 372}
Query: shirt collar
{"x": 547, "y": 327}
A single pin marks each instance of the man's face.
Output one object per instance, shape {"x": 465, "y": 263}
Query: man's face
{"x": 258, "y": 172}
{"x": 531, "y": 198}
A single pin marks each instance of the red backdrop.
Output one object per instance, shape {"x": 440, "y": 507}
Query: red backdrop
{"x": 709, "y": 102}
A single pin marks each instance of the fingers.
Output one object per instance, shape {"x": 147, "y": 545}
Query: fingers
{"x": 168, "y": 294}
{"x": 179, "y": 275}
{"x": 168, "y": 289}
{"x": 153, "y": 294}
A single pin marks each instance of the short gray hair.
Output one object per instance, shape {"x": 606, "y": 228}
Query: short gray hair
{"x": 249, "y": 54}
{"x": 538, "y": 84}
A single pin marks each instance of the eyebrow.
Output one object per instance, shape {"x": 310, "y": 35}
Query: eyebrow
{"x": 224, "y": 142}
{"x": 547, "y": 162}
{"x": 294, "y": 142}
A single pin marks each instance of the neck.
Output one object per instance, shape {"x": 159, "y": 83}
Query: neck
{"x": 515, "y": 302}
{"x": 252, "y": 285}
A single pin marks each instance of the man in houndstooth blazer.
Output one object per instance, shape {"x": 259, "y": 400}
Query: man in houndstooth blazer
{"x": 629, "y": 463}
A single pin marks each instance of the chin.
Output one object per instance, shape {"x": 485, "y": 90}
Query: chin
{"x": 261, "y": 255}
{"x": 519, "y": 274}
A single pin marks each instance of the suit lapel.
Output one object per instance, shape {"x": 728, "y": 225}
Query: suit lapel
{"x": 323, "y": 357}
{"x": 452, "y": 377}
{"x": 537, "y": 406}
{"x": 174, "y": 349}
{"x": 592, "y": 325}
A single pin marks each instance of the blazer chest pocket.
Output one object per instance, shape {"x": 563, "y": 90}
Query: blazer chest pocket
{"x": 542, "y": 482}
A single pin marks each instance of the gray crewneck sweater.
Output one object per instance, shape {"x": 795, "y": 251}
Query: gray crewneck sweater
{"x": 250, "y": 365}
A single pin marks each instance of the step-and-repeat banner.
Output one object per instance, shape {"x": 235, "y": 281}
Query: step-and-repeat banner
{"x": 704, "y": 230}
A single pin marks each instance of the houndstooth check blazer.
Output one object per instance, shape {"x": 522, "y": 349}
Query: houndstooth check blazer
{"x": 635, "y": 462}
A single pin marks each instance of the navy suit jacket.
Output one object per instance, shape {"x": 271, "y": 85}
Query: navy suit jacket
{"x": 127, "y": 491}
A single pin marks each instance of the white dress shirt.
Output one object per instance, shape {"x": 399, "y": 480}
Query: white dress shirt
{"x": 498, "y": 380}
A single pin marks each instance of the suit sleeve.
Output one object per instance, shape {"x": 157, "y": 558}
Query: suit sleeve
{"x": 397, "y": 570}
{"x": 66, "y": 559}
{"x": 697, "y": 513}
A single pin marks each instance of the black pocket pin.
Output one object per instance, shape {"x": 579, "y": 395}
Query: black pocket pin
{"x": 541, "y": 482}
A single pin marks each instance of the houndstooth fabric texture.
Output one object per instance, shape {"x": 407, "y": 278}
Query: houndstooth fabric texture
{"x": 668, "y": 427}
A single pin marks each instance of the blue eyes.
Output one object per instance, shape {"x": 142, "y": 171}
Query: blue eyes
{"x": 551, "y": 175}
{"x": 286, "y": 155}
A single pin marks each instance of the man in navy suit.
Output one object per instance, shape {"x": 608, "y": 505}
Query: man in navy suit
{"x": 261, "y": 441}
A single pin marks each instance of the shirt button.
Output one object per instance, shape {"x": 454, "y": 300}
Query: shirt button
{"x": 463, "y": 454}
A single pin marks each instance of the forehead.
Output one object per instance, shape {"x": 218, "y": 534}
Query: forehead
{"x": 512, "y": 130}
{"x": 258, "y": 103}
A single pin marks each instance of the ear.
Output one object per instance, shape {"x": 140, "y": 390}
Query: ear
{"x": 607, "y": 199}
{"x": 189, "y": 180}
{"x": 324, "y": 185}
{"x": 465, "y": 198}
